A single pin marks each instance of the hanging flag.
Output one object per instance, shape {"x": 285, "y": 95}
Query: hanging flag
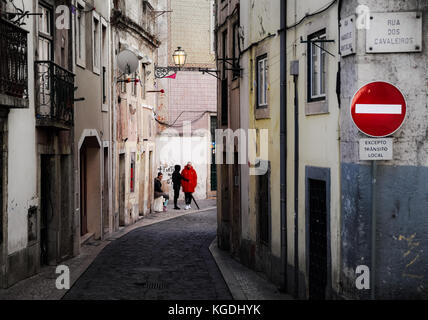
{"x": 173, "y": 76}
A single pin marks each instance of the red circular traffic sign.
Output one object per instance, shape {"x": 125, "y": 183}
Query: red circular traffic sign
{"x": 378, "y": 109}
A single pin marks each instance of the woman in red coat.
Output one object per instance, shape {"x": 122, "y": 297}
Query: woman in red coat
{"x": 189, "y": 186}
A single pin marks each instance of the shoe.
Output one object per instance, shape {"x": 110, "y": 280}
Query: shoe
{"x": 165, "y": 209}
{"x": 187, "y": 208}
{"x": 177, "y": 208}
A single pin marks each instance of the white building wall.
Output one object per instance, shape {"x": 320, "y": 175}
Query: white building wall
{"x": 318, "y": 129}
{"x": 181, "y": 150}
{"x": 22, "y": 156}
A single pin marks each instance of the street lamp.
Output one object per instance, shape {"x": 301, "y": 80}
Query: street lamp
{"x": 179, "y": 57}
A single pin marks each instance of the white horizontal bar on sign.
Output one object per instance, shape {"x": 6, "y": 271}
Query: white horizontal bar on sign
{"x": 379, "y": 108}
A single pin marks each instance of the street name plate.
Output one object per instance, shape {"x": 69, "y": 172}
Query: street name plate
{"x": 394, "y": 32}
{"x": 376, "y": 149}
{"x": 347, "y": 36}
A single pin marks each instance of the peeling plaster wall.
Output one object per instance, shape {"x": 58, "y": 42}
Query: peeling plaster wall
{"x": 135, "y": 123}
{"x": 22, "y": 157}
{"x": 318, "y": 137}
{"x": 402, "y": 190}
{"x": 259, "y": 20}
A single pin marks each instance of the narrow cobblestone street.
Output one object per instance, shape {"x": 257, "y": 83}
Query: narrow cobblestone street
{"x": 168, "y": 260}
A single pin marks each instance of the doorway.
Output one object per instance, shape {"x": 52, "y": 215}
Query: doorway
{"x": 213, "y": 169}
{"x": 236, "y": 207}
{"x": 47, "y": 164}
{"x": 151, "y": 183}
{"x": 142, "y": 178}
{"x": 83, "y": 191}
{"x": 122, "y": 184}
{"x": 91, "y": 189}
{"x": 318, "y": 239}
{"x": 106, "y": 195}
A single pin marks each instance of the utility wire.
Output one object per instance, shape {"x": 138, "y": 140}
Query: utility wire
{"x": 312, "y": 14}
{"x": 173, "y": 125}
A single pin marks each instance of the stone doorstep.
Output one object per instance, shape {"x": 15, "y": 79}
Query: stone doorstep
{"x": 85, "y": 238}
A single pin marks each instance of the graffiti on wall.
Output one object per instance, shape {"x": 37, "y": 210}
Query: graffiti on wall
{"x": 167, "y": 171}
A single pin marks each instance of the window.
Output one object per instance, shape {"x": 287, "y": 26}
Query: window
{"x": 224, "y": 85}
{"x": 96, "y": 52}
{"x": 132, "y": 176}
{"x": 212, "y": 26}
{"x": 235, "y": 53}
{"x": 123, "y": 86}
{"x": 264, "y": 207}
{"x": 143, "y": 81}
{"x": 262, "y": 87}
{"x": 224, "y": 53}
{"x": 80, "y": 36}
{"x": 104, "y": 61}
{"x": 224, "y": 103}
{"x": 317, "y": 67}
{"x": 134, "y": 84}
{"x": 45, "y": 34}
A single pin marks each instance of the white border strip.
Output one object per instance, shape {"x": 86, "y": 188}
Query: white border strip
{"x": 379, "y": 108}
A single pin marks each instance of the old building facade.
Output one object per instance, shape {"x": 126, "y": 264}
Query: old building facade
{"x": 134, "y": 29}
{"x": 248, "y": 55}
{"x": 320, "y": 205}
{"x": 398, "y": 197}
{"x": 93, "y": 118}
{"x": 73, "y": 133}
{"x": 313, "y": 174}
{"x": 37, "y": 97}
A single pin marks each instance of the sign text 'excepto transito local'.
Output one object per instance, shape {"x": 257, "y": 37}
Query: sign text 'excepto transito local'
{"x": 376, "y": 149}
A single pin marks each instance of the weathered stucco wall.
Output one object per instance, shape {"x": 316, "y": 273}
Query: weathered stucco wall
{"x": 318, "y": 137}
{"x": 401, "y": 191}
{"x": 259, "y": 23}
{"x": 22, "y": 158}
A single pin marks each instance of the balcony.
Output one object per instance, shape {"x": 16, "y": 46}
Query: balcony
{"x": 13, "y": 66}
{"x": 54, "y": 96}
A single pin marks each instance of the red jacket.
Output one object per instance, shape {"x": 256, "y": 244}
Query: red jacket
{"x": 189, "y": 174}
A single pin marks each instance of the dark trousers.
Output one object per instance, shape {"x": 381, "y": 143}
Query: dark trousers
{"x": 176, "y": 195}
{"x": 188, "y": 197}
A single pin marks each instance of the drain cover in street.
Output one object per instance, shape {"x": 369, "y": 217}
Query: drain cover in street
{"x": 151, "y": 285}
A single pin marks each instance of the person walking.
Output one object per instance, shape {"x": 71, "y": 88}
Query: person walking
{"x": 177, "y": 178}
{"x": 159, "y": 192}
{"x": 189, "y": 186}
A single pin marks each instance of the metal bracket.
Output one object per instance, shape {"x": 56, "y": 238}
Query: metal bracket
{"x": 162, "y": 72}
{"x": 161, "y": 12}
{"x": 234, "y": 64}
{"x": 210, "y": 72}
{"x": 16, "y": 17}
{"x": 318, "y": 40}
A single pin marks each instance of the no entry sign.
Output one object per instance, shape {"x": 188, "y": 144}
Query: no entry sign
{"x": 378, "y": 109}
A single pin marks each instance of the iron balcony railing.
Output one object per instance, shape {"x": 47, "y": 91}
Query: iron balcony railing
{"x": 55, "y": 95}
{"x": 13, "y": 60}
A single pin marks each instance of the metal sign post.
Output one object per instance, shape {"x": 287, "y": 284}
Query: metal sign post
{"x": 373, "y": 235}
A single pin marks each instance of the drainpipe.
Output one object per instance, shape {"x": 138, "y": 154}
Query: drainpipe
{"x": 296, "y": 186}
{"x": 283, "y": 142}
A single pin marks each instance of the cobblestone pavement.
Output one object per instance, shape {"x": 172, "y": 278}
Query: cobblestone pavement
{"x": 167, "y": 260}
